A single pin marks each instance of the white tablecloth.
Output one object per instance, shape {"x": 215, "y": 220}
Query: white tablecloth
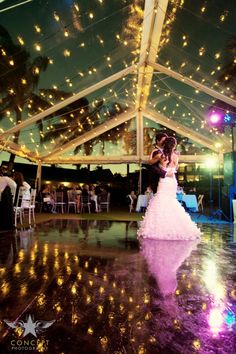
{"x": 142, "y": 202}
{"x": 190, "y": 201}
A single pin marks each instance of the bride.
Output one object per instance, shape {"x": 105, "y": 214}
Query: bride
{"x": 165, "y": 218}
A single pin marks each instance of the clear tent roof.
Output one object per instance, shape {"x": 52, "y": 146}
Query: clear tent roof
{"x": 93, "y": 80}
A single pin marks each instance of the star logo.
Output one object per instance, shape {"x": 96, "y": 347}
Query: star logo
{"x": 30, "y": 327}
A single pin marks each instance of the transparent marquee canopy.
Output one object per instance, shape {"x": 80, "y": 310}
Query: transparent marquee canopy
{"x": 92, "y": 81}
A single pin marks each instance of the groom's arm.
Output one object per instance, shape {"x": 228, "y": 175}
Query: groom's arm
{"x": 154, "y": 157}
{"x": 153, "y": 161}
{"x": 159, "y": 171}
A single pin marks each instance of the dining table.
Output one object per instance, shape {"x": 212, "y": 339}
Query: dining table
{"x": 142, "y": 202}
{"x": 190, "y": 201}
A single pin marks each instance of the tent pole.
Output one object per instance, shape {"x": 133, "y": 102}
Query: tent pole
{"x": 127, "y": 170}
{"x": 140, "y": 178}
{"x": 139, "y": 144}
{"x": 38, "y": 180}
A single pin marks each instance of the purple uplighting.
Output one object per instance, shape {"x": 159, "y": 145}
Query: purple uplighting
{"x": 215, "y": 117}
{"x": 216, "y": 320}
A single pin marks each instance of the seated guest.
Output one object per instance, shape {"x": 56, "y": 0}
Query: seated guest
{"x": 85, "y": 198}
{"x": 149, "y": 193}
{"x": 93, "y": 199}
{"x": 7, "y": 191}
{"x": 63, "y": 189}
{"x": 180, "y": 190}
{"x": 6, "y": 181}
{"x": 192, "y": 190}
{"x": 133, "y": 195}
{"x": 97, "y": 189}
{"x": 48, "y": 197}
{"x": 102, "y": 196}
{"x": 85, "y": 190}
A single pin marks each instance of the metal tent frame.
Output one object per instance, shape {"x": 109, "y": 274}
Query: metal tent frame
{"x": 153, "y": 20}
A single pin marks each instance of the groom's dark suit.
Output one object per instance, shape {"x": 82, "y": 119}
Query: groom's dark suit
{"x": 156, "y": 172}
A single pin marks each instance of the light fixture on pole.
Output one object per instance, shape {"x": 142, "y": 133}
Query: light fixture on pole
{"x": 219, "y": 212}
{"x": 211, "y": 163}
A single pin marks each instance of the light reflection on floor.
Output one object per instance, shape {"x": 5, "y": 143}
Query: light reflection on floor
{"x": 109, "y": 294}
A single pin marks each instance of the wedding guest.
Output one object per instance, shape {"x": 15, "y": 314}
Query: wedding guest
{"x": 7, "y": 191}
{"x": 149, "y": 193}
{"x": 48, "y": 197}
{"x": 6, "y": 181}
{"x": 93, "y": 199}
{"x": 23, "y": 185}
{"x": 180, "y": 190}
{"x": 85, "y": 190}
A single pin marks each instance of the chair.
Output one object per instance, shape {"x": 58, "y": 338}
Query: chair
{"x": 29, "y": 206}
{"x": 200, "y": 202}
{"x": 85, "y": 203}
{"x": 131, "y": 201}
{"x": 72, "y": 202}
{"x": 106, "y": 205}
{"x": 59, "y": 201}
{"x": 17, "y": 208}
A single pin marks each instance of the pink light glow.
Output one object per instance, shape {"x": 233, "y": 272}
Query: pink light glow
{"x": 215, "y": 320}
{"x": 215, "y": 117}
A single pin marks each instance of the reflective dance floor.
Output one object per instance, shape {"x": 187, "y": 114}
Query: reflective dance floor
{"x": 82, "y": 286}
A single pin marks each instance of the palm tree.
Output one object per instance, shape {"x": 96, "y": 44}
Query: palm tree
{"x": 76, "y": 118}
{"x": 19, "y": 77}
{"x": 84, "y": 118}
{"x": 228, "y": 73}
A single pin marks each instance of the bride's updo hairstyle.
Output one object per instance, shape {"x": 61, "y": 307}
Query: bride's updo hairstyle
{"x": 169, "y": 144}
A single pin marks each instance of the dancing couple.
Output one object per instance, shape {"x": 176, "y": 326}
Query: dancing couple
{"x": 165, "y": 218}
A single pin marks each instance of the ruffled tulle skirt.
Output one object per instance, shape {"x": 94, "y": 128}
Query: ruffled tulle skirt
{"x": 165, "y": 218}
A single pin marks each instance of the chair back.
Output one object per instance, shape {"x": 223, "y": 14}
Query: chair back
{"x": 71, "y": 196}
{"x": 19, "y": 197}
{"x": 84, "y": 203}
{"x": 32, "y": 197}
{"x": 131, "y": 205}
{"x": 17, "y": 207}
{"x": 84, "y": 199}
{"x": 58, "y": 197}
{"x": 199, "y": 201}
{"x": 200, "y": 198}
{"x": 28, "y": 203}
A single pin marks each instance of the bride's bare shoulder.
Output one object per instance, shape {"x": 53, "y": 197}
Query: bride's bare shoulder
{"x": 175, "y": 158}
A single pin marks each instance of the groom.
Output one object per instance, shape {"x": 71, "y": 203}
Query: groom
{"x": 154, "y": 160}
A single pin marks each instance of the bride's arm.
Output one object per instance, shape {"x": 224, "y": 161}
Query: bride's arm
{"x": 176, "y": 159}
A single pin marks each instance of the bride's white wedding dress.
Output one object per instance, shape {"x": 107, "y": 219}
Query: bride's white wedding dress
{"x": 165, "y": 218}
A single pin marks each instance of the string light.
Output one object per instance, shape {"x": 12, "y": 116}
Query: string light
{"x": 66, "y": 53}
{"x": 37, "y": 47}
{"x": 202, "y": 51}
{"x": 37, "y": 29}
{"x": 56, "y": 17}
{"x": 20, "y": 40}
